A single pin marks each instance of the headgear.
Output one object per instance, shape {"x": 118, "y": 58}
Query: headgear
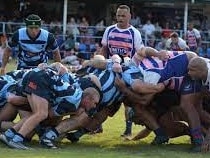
{"x": 33, "y": 21}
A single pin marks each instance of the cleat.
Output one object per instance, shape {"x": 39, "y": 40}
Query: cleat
{"x": 17, "y": 145}
{"x": 98, "y": 130}
{"x": 160, "y": 140}
{"x": 48, "y": 143}
{"x": 72, "y": 138}
{"x": 127, "y": 133}
{"x": 4, "y": 139}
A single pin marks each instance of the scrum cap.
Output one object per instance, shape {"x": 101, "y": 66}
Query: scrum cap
{"x": 33, "y": 21}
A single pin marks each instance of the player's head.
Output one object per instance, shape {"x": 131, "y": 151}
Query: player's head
{"x": 33, "y": 20}
{"x": 197, "y": 68}
{"x": 123, "y": 16}
{"x": 33, "y": 24}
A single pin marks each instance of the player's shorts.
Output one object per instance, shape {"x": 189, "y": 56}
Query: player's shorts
{"x": 38, "y": 83}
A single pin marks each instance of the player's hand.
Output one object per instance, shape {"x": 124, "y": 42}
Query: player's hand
{"x": 120, "y": 83}
{"x": 163, "y": 55}
{"x": 117, "y": 67}
{"x": 86, "y": 63}
{"x": 62, "y": 70}
{"x": 161, "y": 87}
{"x": 3, "y": 71}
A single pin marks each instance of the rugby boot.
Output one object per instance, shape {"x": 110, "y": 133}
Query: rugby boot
{"x": 4, "y": 139}
{"x": 17, "y": 142}
{"x": 17, "y": 145}
{"x": 160, "y": 140}
{"x": 75, "y": 136}
{"x": 48, "y": 138}
{"x": 128, "y": 129}
{"x": 72, "y": 137}
{"x": 48, "y": 143}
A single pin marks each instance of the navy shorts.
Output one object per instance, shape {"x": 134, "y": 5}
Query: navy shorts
{"x": 38, "y": 83}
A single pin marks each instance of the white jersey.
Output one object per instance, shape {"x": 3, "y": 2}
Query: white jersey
{"x": 181, "y": 45}
{"x": 124, "y": 42}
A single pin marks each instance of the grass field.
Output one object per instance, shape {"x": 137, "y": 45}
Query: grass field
{"x": 109, "y": 144}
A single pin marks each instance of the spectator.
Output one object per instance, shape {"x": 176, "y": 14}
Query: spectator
{"x": 193, "y": 38}
{"x": 148, "y": 28}
{"x": 3, "y": 44}
{"x": 176, "y": 43}
{"x": 72, "y": 28}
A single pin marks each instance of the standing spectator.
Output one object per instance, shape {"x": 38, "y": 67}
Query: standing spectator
{"x": 193, "y": 38}
{"x": 3, "y": 44}
{"x": 100, "y": 28}
{"x": 33, "y": 43}
{"x": 158, "y": 30}
{"x": 176, "y": 43}
{"x": 166, "y": 31}
{"x": 72, "y": 28}
{"x": 122, "y": 39}
{"x": 135, "y": 21}
{"x": 83, "y": 28}
{"x": 148, "y": 28}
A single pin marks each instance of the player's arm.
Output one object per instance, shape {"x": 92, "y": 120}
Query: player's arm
{"x": 103, "y": 51}
{"x": 57, "y": 56}
{"x": 100, "y": 64}
{"x": 53, "y": 45}
{"x": 147, "y": 88}
{"x": 134, "y": 97}
{"x": 151, "y": 52}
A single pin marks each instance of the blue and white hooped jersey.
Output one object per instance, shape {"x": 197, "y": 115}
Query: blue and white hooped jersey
{"x": 6, "y": 82}
{"x": 33, "y": 51}
{"x": 110, "y": 93}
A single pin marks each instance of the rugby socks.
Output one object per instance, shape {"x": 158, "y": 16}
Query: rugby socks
{"x": 10, "y": 133}
{"x": 197, "y": 136}
{"x": 160, "y": 132}
{"x": 51, "y": 134}
{"x": 128, "y": 127}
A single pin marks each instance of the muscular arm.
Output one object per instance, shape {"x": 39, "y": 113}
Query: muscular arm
{"x": 57, "y": 56}
{"x": 101, "y": 64}
{"x": 151, "y": 52}
{"x": 146, "y": 88}
{"x": 147, "y": 52}
{"x": 135, "y": 98}
{"x": 72, "y": 123}
{"x": 104, "y": 51}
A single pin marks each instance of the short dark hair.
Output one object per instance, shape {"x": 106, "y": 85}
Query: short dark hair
{"x": 174, "y": 35}
{"x": 123, "y": 6}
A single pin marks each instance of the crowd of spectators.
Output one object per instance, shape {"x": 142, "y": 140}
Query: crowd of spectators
{"x": 84, "y": 36}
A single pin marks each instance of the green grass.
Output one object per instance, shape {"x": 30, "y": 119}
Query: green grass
{"x": 109, "y": 144}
